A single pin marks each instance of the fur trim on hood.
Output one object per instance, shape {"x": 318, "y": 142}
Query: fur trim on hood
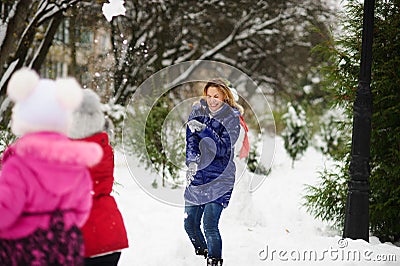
{"x": 89, "y": 118}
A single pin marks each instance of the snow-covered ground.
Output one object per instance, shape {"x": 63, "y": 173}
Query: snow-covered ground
{"x": 267, "y": 227}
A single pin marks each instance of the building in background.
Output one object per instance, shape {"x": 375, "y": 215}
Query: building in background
{"x": 84, "y": 52}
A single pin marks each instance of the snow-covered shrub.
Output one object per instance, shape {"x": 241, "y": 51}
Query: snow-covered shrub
{"x": 6, "y": 138}
{"x": 331, "y": 139}
{"x": 114, "y": 114}
{"x": 296, "y": 132}
{"x": 253, "y": 160}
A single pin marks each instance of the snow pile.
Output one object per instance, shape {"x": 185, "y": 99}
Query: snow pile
{"x": 113, "y": 8}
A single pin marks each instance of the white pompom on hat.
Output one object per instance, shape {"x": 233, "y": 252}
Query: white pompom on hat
{"x": 69, "y": 97}
{"x": 22, "y": 83}
{"x": 235, "y": 94}
{"x": 89, "y": 118}
{"x": 42, "y": 104}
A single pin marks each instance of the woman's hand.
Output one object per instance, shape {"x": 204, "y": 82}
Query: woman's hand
{"x": 191, "y": 172}
{"x": 196, "y": 126}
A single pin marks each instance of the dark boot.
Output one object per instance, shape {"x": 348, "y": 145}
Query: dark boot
{"x": 214, "y": 262}
{"x": 202, "y": 252}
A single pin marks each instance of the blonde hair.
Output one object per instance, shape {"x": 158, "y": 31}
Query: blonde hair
{"x": 225, "y": 90}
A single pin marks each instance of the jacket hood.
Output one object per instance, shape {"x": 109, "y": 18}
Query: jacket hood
{"x": 89, "y": 118}
{"x": 57, "y": 162}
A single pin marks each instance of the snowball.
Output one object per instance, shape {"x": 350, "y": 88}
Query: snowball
{"x": 113, "y": 8}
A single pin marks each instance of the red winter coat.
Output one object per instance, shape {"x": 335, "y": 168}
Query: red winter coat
{"x": 104, "y": 231}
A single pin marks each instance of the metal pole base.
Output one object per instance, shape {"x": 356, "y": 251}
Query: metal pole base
{"x": 356, "y": 224}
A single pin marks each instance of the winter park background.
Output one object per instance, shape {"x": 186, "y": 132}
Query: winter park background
{"x": 269, "y": 226}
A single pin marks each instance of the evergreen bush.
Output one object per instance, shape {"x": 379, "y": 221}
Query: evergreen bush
{"x": 156, "y": 142}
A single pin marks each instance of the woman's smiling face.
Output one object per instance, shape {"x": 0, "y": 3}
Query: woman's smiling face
{"x": 215, "y": 98}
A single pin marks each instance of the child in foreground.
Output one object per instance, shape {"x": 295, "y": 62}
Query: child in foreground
{"x": 45, "y": 183}
{"x": 104, "y": 232}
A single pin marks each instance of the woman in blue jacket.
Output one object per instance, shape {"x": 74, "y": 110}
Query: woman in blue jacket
{"x": 212, "y": 130}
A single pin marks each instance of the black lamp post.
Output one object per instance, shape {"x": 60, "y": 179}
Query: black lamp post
{"x": 357, "y": 207}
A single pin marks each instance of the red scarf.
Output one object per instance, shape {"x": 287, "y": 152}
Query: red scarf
{"x": 244, "y": 151}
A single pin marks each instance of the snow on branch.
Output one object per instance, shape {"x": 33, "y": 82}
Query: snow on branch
{"x": 4, "y": 24}
{"x": 8, "y": 73}
{"x": 50, "y": 9}
{"x": 228, "y": 40}
{"x": 267, "y": 23}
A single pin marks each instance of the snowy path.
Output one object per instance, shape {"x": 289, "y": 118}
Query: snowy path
{"x": 270, "y": 222}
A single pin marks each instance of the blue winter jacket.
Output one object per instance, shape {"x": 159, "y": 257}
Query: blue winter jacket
{"x": 213, "y": 150}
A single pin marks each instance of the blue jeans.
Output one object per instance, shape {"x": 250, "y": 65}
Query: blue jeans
{"x": 211, "y": 212}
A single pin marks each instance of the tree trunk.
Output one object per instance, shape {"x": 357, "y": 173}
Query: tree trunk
{"x": 72, "y": 68}
{"x": 13, "y": 33}
{"x": 47, "y": 41}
